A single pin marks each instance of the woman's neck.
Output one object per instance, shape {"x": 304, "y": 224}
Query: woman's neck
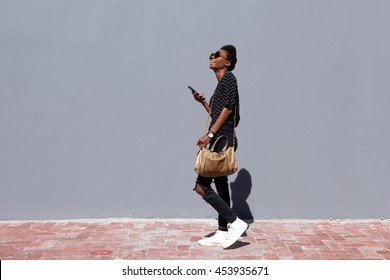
{"x": 219, "y": 73}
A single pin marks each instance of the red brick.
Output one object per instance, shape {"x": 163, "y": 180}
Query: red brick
{"x": 295, "y": 249}
{"x": 177, "y": 239}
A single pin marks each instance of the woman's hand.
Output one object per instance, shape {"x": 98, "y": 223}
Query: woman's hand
{"x": 203, "y": 141}
{"x": 199, "y": 97}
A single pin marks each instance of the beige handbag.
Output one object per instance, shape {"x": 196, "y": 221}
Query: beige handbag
{"x": 212, "y": 164}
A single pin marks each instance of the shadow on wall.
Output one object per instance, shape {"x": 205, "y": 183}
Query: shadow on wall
{"x": 240, "y": 191}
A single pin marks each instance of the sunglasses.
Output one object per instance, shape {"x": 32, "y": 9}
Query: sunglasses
{"x": 217, "y": 55}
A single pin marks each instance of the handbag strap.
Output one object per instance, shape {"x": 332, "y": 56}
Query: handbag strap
{"x": 208, "y": 118}
{"x": 234, "y": 126}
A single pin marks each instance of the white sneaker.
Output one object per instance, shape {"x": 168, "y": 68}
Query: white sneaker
{"x": 218, "y": 238}
{"x": 236, "y": 229}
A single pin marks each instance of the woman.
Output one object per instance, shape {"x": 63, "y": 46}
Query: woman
{"x": 225, "y": 114}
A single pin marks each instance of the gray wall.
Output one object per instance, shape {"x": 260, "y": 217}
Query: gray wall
{"x": 96, "y": 119}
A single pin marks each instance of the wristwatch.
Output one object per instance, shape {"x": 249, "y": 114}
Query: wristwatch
{"x": 210, "y": 134}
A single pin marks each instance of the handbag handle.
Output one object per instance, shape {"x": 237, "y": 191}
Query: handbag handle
{"x": 219, "y": 139}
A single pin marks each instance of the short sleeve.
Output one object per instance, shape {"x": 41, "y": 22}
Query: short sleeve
{"x": 230, "y": 98}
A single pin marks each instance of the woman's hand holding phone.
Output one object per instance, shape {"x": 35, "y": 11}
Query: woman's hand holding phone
{"x": 198, "y": 96}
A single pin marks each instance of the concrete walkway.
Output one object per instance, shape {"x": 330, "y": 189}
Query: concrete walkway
{"x": 166, "y": 239}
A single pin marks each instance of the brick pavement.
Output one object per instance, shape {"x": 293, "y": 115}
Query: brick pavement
{"x": 166, "y": 239}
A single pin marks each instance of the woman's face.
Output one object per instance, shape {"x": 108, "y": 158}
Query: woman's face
{"x": 218, "y": 60}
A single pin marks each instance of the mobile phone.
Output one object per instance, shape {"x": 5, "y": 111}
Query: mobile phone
{"x": 193, "y": 91}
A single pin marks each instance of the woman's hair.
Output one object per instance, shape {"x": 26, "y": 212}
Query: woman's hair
{"x": 232, "y": 56}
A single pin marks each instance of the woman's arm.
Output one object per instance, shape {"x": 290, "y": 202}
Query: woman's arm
{"x": 202, "y": 100}
{"x": 222, "y": 118}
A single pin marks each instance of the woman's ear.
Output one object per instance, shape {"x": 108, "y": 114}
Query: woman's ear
{"x": 227, "y": 63}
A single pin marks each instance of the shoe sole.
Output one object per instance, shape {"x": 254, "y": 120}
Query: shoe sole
{"x": 211, "y": 244}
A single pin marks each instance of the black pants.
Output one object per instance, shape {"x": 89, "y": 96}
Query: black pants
{"x": 219, "y": 200}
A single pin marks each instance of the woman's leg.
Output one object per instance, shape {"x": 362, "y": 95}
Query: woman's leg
{"x": 203, "y": 188}
{"x": 222, "y": 186}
